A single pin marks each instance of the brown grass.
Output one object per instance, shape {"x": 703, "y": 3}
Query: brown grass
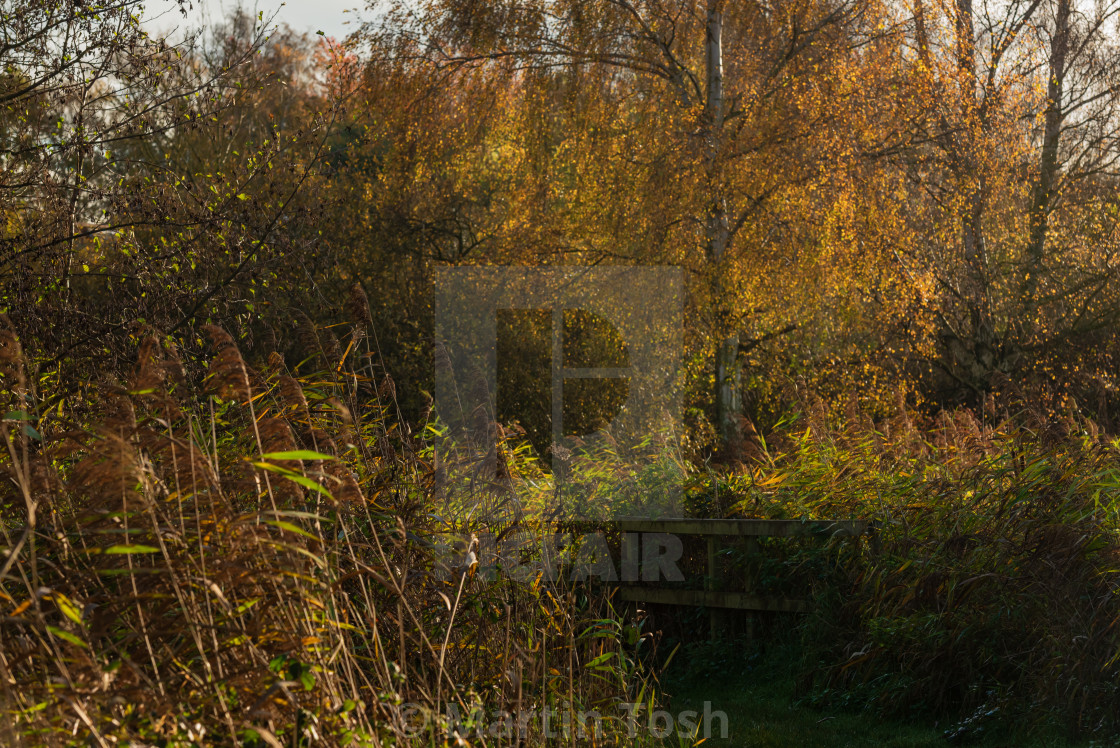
{"x": 256, "y": 561}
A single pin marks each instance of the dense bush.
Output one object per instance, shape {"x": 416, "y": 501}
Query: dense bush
{"x": 989, "y": 599}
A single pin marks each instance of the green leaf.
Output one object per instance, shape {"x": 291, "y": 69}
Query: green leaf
{"x": 289, "y": 527}
{"x": 308, "y": 483}
{"x": 122, "y": 572}
{"x": 297, "y": 513}
{"x": 120, "y": 550}
{"x": 68, "y": 608}
{"x": 600, "y": 660}
{"x": 247, "y": 604}
{"x": 295, "y": 478}
{"x": 274, "y": 468}
{"x": 308, "y": 680}
{"x": 67, "y": 636}
{"x": 297, "y": 454}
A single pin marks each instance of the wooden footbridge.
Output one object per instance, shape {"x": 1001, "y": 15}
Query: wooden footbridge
{"x": 721, "y": 535}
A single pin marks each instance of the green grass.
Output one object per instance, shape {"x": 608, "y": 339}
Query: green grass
{"x": 756, "y": 691}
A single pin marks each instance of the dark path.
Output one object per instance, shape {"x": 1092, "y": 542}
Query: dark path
{"x": 756, "y": 692}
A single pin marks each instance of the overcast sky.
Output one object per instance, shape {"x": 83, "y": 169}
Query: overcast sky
{"x": 328, "y": 16}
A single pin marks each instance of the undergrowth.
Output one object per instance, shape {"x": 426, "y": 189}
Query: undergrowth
{"x": 256, "y": 556}
{"x": 988, "y": 601}
{"x": 270, "y": 555}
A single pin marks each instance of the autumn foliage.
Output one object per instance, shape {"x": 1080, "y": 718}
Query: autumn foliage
{"x": 898, "y": 227}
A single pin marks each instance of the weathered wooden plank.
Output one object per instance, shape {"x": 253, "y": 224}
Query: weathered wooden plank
{"x": 712, "y": 599}
{"x": 760, "y": 528}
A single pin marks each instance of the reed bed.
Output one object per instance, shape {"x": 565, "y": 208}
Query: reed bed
{"x": 254, "y": 556}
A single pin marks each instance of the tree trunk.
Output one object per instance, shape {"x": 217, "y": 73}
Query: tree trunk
{"x": 1048, "y": 159}
{"x": 969, "y": 153}
{"x": 974, "y": 354}
{"x": 728, "y": 400}
{"x": 728, "y": 371}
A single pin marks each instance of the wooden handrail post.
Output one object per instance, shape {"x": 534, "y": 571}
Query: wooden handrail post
{"x": 719, "y": 618}
{"x": 752, "y": 551}
{"x": 874, "y": 544}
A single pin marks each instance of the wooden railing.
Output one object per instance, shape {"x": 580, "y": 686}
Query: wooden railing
{"x": 747, "y": 532}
